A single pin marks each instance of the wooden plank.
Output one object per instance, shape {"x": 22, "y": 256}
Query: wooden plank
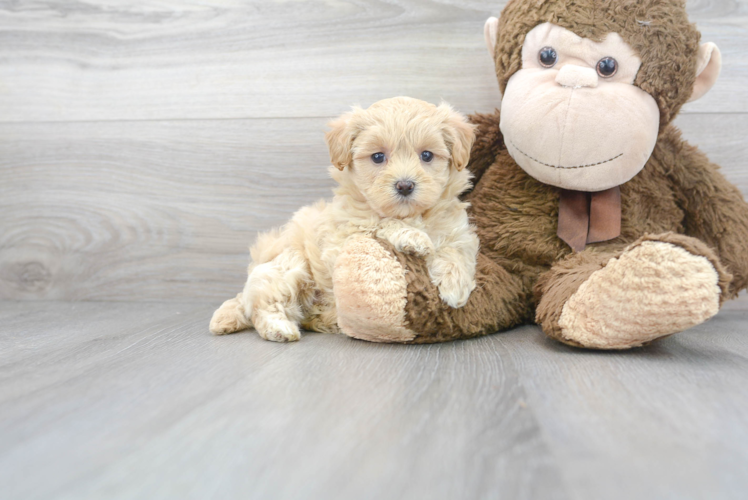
{"x": 741, "y": 303}
{"x": 187, "y": 59}
{"x": 665, "y": 421}
{"x": 148, "y": 210}
{"x": 139, "y": 401}
{"x": 166, "y": 210}
{"x": 126, "y": 400}
{"x": 722, "y": 137}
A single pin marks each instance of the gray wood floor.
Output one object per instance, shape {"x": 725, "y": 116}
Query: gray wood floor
{"x": 136, "y": 400}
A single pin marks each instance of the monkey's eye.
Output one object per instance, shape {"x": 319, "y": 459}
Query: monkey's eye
{"x": 547, "y": 57}
{"x": 607, "y": 67}
{"x": 377, "y": 157}
{"x": 427, "y": 156}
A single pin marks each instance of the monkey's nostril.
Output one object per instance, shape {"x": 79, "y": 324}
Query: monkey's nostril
{"x": 405, "y": 187}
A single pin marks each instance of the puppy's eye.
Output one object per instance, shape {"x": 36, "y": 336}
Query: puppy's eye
{"x": 547, "y": 57}
{"x": 427, "y": 156}
{"x": 377, "y": 157}
{"x": 607, "y": 67}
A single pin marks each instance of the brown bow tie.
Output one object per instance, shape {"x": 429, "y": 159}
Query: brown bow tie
{"x": 589, "y": 217}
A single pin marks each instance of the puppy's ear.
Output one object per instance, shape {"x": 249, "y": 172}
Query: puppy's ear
{"x": 340, "y": 140}
{"x": 459, "y": 135}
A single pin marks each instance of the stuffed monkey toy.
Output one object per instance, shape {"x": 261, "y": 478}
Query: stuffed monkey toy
{"x": 596, "y": 219}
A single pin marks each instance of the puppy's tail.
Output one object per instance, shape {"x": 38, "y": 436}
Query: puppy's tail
{"x": 230, "y": 317}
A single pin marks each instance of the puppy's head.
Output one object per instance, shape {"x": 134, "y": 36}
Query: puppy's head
{"x": 403, "y": 155}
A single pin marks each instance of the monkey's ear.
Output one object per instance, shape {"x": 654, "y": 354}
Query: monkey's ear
{"x": 491, "y": 32}
{"x": 340, "y": 141}
{"x": 707, "y": 71}
{"x": 459, "y": 135}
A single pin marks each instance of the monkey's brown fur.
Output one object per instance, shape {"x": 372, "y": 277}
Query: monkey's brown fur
{"x": 525, "y": 272}
{"x": 679, "y": 197}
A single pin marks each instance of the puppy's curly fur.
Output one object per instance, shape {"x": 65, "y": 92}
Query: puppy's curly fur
{"x": 290, "y": 276}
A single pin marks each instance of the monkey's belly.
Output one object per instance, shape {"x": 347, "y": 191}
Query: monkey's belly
{"x": 517, "y": 216}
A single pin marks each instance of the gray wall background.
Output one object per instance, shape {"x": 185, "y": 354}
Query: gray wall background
{"x": 143, "y": 144}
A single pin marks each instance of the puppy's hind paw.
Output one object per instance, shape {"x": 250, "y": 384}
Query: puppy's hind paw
{"x": 228, "y": 318}
{"x": 273, "y": 324}
{"x": 279, "y": 330}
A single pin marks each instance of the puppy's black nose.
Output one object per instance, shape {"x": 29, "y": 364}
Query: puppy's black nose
{"x": 405, "y": 187}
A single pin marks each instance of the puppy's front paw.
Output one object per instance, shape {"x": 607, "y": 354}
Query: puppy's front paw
{"x": 454, "y": 283}
{"x": 412, "y": 241}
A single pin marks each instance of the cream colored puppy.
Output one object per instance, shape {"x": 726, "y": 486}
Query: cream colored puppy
{"x": 401, "y": 167}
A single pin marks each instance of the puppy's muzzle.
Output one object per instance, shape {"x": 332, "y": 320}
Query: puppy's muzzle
{"x": 405, "y": 188}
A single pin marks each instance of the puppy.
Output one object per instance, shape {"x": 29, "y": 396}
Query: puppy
{"x": 400, "y": 165}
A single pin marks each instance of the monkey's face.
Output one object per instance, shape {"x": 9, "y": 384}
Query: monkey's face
{"x": 572, "y": 116}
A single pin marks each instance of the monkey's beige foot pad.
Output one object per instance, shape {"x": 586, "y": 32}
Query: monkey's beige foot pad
{"x": 371, "y": 293}
{"x": 652, "y": 290}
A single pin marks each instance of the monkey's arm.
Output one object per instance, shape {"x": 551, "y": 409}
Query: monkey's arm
{"x": 386, "y": 296}
{"x": 716, "y": 212}
{"x": 488, "y": 142}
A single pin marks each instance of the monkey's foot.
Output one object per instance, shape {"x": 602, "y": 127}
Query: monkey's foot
{"x": 651, "y": 290}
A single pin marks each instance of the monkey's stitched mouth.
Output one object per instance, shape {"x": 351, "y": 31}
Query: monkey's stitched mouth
{"x": 560, "y": 166}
